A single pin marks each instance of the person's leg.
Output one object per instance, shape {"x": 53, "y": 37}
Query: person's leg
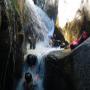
{"x": 34, "y": 44}
{"x": 31, "y": 45}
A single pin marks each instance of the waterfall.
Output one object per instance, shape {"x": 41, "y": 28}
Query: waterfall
{"x": 34, "y": 20}
{"x": 41, "y": 26}
{"x": 38, "y": 70}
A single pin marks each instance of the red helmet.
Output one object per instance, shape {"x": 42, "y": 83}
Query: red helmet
{"x": 85, "y": 35}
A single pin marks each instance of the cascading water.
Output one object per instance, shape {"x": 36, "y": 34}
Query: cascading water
{"x": 35, "y": 21}
{"x": 41, "y": 25}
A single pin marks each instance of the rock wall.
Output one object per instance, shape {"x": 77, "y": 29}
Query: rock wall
{"x": 51, "y": 8}
{"x": 11, "y": 38}
{"x": 69, "y": 70}
{"x": 81, "y": 65}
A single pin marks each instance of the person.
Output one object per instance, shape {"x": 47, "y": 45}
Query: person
{"x": 31, "y": 60}
{"x": 78, "y": 41}
{"x": 32, "y": 41}
{"x": 28, "y": 84}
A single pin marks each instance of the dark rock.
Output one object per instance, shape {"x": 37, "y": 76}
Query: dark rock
{"x": 11, "y": 55}
{"x": 51, "y": 8}
{"x": 31, "y": 60}
{"x": 81, "y": 64}
{"x": 68, "y": 70}
{"x": 58, "y": 75}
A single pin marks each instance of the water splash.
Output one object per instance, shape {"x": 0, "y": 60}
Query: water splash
{"x": 41, "y": 51}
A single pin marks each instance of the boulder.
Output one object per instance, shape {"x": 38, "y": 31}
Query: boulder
{"x": 58, "y": 71}
{"x": 81, "y": 65}
{"x": 68, "y": 70}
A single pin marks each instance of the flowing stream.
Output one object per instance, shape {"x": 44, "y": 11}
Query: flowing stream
{"x": 43, "y": 26}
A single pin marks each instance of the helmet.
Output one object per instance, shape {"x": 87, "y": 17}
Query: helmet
{"x": 28, "y": 77}
{"x": 31, "y": 60}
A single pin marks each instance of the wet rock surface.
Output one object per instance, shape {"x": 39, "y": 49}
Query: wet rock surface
{"x": 69, "y": 70}
{"x": 81, "y": 64}
{"x": 11, "y": 55}
{"x": 59, "y": 74}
